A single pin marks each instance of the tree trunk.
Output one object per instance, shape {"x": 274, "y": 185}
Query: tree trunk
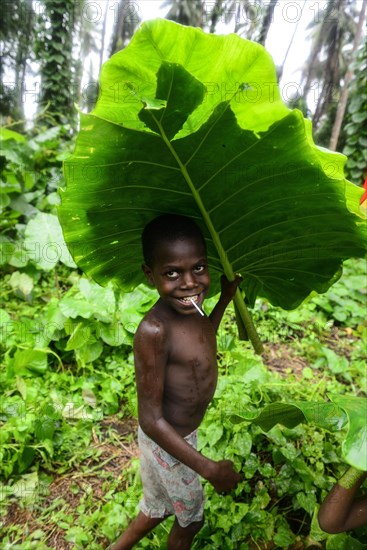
{"x": 348, "y": 77}
{"x": 126, "y": 21}
{"x": 103, "y": 34}
{"x": 332, "y": 78}
{"x": 117, "y": 28}
{"x": 55, "y": 48}
{"x": 268, "y": 18}
{"x": 215, "y": 14}
{"x": 17, "y": 29}
{"x": 319, "y": 42}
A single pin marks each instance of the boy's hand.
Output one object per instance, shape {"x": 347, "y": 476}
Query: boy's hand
{"x": 224, "y": 477}
{"x": 228, "y": 291}
{"x": 228, "y": 288}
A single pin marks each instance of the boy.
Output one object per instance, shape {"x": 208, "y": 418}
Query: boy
{"x": 176, "y": 376}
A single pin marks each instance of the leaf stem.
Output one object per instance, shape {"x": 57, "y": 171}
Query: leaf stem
{"x": 248, "y": 322}
{"x": 351, "y": 477}
{"x": 227, "y": 267}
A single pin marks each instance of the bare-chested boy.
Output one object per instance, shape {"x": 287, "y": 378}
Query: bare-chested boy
{"x": 176, "y": 377}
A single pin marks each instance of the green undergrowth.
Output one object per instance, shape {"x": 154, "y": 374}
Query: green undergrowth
{"x": 68, "y": 455}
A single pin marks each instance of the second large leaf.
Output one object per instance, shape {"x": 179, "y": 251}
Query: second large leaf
{"x": 271, "y": 204}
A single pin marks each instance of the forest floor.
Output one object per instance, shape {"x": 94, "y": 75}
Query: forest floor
{"x": 116, "y": 446}
{"x": 54, "y": 519}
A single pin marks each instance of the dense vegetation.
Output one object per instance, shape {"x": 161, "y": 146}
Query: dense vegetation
{"x": 69, "y": 466}
{"x": 68, "y": 412}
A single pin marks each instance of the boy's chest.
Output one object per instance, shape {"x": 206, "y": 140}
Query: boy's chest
{"x": 192, "y": 370}
{"x": 190, "y": 345}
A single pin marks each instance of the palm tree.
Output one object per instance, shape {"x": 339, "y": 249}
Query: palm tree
{"x": 348, "y": 78}
{"x": 266, "y": 22}
{"x": 186, "y": 12}
{"x": 17, "y": 38}
{"x": 248, "y": 17}
{"x": 329, "y": 56}
{"x": 126, "y": 22}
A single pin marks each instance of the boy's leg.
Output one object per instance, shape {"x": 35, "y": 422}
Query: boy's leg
{"x": 137, "y": 530}
{"x": 180, "y": 538}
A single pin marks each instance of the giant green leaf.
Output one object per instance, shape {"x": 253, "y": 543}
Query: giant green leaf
{"x": 355, "y": 444}
{"x": 193, "y": 123}
{"x": 319, "y": 413}
{"x": 344, "y": 411}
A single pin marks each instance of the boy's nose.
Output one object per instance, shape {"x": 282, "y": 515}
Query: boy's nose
{"x": 189, "y": 281}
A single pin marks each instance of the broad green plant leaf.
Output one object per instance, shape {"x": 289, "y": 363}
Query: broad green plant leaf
{"x": 6, "y": 134}
{"x": 29, "y": 361}
{"x": 344, "y": 411}
{"x": 27, "y": 486}
{"x": 114, "y": 334}
{"x": 79, "y": 336}
{"x": 193, "y": 123}
{"x": 22, "y": 284}
{"x": 88, "y": 300}
{"x": 354, "y": 447}
{"x": 324, "y": 415}
{"x": 44, "y": 242}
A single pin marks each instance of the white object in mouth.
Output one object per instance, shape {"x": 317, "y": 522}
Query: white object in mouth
{"x": 188, "y": 299}
{"x": 197, "y": 307}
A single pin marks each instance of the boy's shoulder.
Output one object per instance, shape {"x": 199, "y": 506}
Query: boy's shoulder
{"x": 153, "y": 323}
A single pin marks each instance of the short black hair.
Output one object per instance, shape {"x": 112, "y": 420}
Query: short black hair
{"x": 167, "y": 227}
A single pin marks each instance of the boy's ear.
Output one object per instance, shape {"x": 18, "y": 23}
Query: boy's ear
{"x": 148, "y": 274}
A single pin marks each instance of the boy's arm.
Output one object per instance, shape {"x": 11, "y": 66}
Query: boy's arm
{"x": 228, "y": 290}
{"x": 151, "y": 356}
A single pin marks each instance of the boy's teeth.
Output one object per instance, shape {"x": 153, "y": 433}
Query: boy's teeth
{"x": 189, "y": 298}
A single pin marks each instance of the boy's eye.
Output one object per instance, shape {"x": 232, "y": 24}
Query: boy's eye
{"x": 200, "y": 268}
{"x": 171, "y": 274}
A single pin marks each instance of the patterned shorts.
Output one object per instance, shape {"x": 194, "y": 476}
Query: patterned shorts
{"x": 170, "y": 487}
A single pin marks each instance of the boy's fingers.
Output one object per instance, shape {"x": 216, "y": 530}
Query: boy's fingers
{"x": 237, "y": 278}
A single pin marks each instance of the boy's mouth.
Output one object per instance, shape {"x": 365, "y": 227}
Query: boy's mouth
{"x": 189, "y": 299}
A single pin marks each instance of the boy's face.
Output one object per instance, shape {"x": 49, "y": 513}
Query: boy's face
{"x": 180, "y": 271}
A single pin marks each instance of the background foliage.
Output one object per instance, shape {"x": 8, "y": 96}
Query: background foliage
{"x": 69, "y": 467}
{"x": 356, "y": 121}
{"x": 68, "y": 412}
